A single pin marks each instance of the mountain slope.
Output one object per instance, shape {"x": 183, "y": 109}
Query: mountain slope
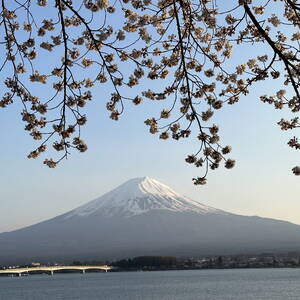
{"x": 145, "y": 217}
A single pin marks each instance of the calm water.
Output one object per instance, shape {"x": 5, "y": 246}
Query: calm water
{"x": 163, "y": 285}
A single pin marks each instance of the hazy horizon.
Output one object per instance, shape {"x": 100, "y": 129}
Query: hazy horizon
{"x": 71, "y": 208}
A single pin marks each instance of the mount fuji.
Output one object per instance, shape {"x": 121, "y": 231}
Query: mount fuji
{"x": 145, "y": 217}
{"x": 138, "y": 196}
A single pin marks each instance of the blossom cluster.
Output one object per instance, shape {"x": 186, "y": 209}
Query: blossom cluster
{"x": 185, "y": 47}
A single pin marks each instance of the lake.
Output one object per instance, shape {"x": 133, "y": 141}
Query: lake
{"x": 241, "y": 284}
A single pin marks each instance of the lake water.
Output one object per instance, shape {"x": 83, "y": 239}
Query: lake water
{"x": 242, "y": 284}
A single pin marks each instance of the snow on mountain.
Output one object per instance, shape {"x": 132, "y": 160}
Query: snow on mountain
{"x": 138, "y": 196}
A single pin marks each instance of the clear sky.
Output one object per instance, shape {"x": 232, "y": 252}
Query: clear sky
{"x": 261, "y": 183}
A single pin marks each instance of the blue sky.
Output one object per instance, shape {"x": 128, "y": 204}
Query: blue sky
{"x": 261, "y": 184}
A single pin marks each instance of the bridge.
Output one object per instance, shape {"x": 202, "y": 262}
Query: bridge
{"x": 52, "y": 269}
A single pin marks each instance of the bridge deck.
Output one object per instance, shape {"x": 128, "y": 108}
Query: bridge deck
{"x": 54, "y": 268}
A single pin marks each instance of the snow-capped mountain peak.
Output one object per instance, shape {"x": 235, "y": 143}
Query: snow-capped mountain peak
{"x": 140, "y": 195}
